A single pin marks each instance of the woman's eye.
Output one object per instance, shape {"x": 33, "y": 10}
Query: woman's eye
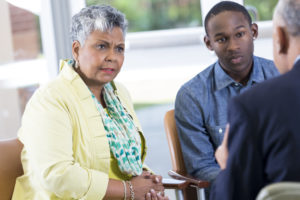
{"x": 120, "y": 49}
{"x": 100, "y": 46}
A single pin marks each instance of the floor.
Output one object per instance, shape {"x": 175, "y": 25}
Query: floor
{"x": 158, "y": 156}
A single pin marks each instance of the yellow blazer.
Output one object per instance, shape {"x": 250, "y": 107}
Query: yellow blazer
{"x": 66, "y": 153}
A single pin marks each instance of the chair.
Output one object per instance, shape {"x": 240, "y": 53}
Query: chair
{"x": 178, "y": 168}
{"x": 10, "y": 166}
{"x": 280, "y": 191}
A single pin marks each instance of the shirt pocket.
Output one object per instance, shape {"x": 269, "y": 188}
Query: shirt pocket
{"x": 216, "y": 133}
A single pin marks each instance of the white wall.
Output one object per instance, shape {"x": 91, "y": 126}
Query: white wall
{"x": 55, "y": 25}
{"x": 6, "y": 50}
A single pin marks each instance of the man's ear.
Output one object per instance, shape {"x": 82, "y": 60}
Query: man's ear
{"x": 282, "y": 40}
{"x": 254, "y": 30}
{"x": 207, "y": 43}
{"x": 75, "y": 49}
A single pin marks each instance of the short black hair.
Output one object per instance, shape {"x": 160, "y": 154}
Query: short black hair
{"x": 226, "y": 6}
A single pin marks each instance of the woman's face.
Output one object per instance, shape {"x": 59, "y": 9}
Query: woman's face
{"x": 101, "y": 57}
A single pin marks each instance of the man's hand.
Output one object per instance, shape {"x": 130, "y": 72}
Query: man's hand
{"x": 221, "y": 153}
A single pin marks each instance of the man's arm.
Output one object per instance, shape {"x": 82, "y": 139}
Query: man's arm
{"x": 242, "y": 177}
{"x": 197, "y": 149}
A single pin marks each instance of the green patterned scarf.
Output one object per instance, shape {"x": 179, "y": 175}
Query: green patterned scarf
{"x": 123, "y": 137}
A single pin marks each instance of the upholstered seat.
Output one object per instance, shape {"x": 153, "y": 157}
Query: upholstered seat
{"x": 280, "y": 191}
{"x": 10, "y": 166}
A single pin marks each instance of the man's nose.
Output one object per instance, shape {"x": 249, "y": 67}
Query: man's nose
{"x": 233, "y": 44}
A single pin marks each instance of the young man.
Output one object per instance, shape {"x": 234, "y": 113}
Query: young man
{"x": 201, "y": 103}
{"x": 264, "y": 137}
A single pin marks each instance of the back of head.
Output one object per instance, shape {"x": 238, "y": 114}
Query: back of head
{"x": 226, "y": 6}
{"x": 289, "y": 12}
{"x": 99, "y": 17}
{"x": 286, "y": 34}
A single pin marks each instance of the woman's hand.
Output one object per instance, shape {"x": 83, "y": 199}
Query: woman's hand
{"x": 152, "y": 195}
{"x": 148, "y": 186}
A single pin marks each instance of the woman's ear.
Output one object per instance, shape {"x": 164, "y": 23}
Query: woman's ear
{"x": 207, "y": 43}
{"x": 75, "y": 49}
{"x": 254, "y": 30}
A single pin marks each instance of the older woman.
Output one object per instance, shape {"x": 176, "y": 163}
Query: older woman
{"x": 81, "y": 137}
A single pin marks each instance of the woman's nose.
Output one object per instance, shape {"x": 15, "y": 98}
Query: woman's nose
{"x": 111, "y": 55}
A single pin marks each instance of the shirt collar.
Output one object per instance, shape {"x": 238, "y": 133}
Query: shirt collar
{"x": 297, "y": 59}
{"x": 222, "y": 79}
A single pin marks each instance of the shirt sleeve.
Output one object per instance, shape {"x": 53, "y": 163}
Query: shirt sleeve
{"x": 197, "y": 149}
{"x": 46, "y": 132}
{"x": 243, "y": 175}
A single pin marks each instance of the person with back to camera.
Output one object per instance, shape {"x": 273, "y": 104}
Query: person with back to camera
{"x": 264, "y": 138}
{"x": 81, "y": 136}
{"x": 201, "y": 103}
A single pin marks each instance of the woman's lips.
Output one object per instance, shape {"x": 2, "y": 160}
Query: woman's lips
{"x": 108, "y": 70}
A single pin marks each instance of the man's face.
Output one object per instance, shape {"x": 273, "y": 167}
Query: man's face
{"x": 231, "y": 37}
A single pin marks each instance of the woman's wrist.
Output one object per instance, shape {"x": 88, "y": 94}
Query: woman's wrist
{"x": 125, "y": 189}
{"x": 131, "y": 190}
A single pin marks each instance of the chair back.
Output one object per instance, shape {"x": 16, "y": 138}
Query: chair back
{"x": 10, "y": 166}
{"x": 174, "y": 143}
{"x": 280, "y": 191}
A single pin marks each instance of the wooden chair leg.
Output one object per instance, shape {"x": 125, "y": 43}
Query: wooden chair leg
{"x": 190, "y": 193}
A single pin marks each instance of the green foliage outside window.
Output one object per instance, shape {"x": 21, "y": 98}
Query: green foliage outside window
{"x": 265, "y": 8}
{"x": 144, "y": 15}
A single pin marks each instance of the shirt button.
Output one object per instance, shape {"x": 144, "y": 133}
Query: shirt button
{"x": 220, "y": 130}
{"x": 236, "y": 84}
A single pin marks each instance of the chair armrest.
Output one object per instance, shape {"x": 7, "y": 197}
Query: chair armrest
{"x": 174, "y": 183}
{"x": 191, "y": 180}
{"x": 280, "y": 190}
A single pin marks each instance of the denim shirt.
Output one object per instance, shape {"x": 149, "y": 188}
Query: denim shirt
{"x": 201, "y": 113}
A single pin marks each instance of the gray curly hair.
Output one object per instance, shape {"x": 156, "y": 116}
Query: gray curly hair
{"x": 289, "y": 10}
{"x": 99, "y": 17}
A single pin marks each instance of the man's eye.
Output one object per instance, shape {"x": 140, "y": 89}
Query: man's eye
{"x": 221, "y": 40}
{"x": 240, "y": 34}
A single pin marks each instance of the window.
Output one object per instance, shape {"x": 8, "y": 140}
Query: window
{"x": 146, "y": 15}
{"x": 264, "y": 8}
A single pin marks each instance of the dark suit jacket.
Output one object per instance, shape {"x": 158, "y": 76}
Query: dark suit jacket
{"x": 264, "y": 138}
